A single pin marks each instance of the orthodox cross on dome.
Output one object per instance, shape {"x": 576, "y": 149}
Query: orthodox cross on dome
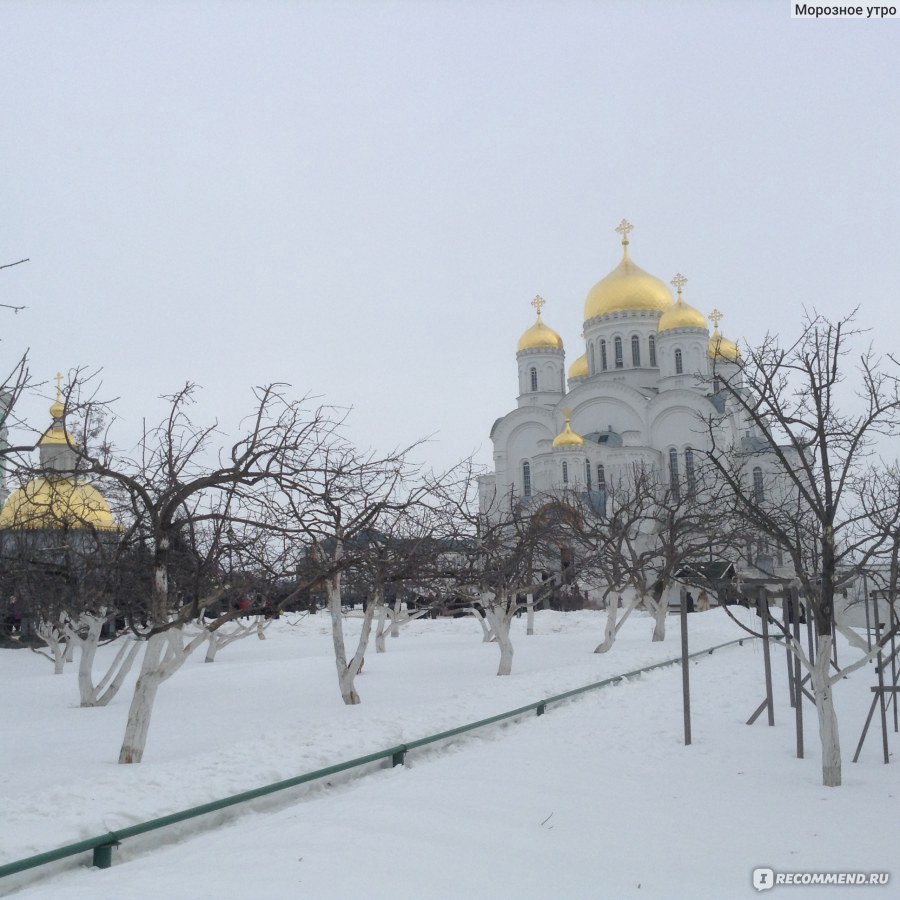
{"x": 625, "y": 228}
{"x": 679, "y": 281}
{"x": 538, "y": 303}
{"x": 567, "y": 415}
{"x": 58, "y": 379}
{"x": 715, "y": 317}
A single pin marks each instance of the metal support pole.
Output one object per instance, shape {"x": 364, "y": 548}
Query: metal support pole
{"x": 762, "y": 604}
{"x": 786, "y": 604}
{"x": 798, "y": 679}
{"x": 685, "y": 673}
{"x": 103, "y": 856}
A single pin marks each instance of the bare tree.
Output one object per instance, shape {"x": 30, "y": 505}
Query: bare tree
{"x": 179, "y": 495}
{"x": 798, "y": 474}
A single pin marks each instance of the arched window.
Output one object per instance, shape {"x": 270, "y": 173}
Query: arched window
{"x": 653, "y": 350}
{"x": 620, "y": 360}
{"x": 673, "y": 474}
{"x": 593, "y": 364}
{"x": 603, "y": 365}
{"x": 601, "y": 477}
{"x": 526, "y": 479}
{"x": 635, "y": 350}
{"x": 533, "y": 378}
{"x": 689, "y": 474}
{"x": 759, "y": 492}
{"x": 565, "y": 472}
{"x": 587, "y": 473}
{"x": 679, "y": 365}
{"x": 717, "y": 384}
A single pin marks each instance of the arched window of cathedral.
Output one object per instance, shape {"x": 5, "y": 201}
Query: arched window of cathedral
{"x": 533, "y": 378}
{"x": 653, "y": 350}
{"x": 673, "y": 474}
{"x": 689, "y": 473}
{"x": 679, "y": 365}
{"x": 635, "y": 350}
{"x": 593, "y": 364}
{"x": 526, "y": 479}
{"x": 717, "y": 384}
{"x": 587, "y": 473}
{"x": 603, "y": 365}
{"x": 759, "y": 492}
{"x": 565, "y": 472}
{"x": 620, "y": 360}
{"x": 601, "y": 477}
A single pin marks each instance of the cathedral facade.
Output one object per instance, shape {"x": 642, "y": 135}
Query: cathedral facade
{"x": 640, "y": 393}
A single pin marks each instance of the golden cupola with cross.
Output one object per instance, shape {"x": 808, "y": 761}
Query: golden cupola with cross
{"x": 57, "y": 498}
{"x": 680, "y": 314}
{"x": 720, "y": 348}
{"x": 541, "y": 360}
{"x": 628, "y": 288}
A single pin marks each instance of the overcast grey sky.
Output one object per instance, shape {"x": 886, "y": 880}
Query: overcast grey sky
{"x": 361, "y": 198}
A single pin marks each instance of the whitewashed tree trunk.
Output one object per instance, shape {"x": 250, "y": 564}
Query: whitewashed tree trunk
{"x": 529, "y": 606}
{"x": 500, "y": 620}
{"x": 395, "y": 621}
{"x": 70, "y": 651}
{"x": 164, "y": 655}
{"x": 828, "y": 725}
{"x": 380, "y": 629}
{"x": 614, "y": 624}
{"x": 221, "y": 638}
{"x": 355, "y": 665}
{"x": 345, "y": 676}
{"x": 54, "y": 636}
{"x": 659, "y": 619}
{"x": 86, "y": 633}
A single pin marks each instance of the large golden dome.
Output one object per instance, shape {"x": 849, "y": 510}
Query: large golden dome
{"x": 539, "y": 336}
{"x": 681, "y": 315}
{"x": 56, "y": 503}
{"x": 628, "y": 288}
{"x": 579, "y": 368}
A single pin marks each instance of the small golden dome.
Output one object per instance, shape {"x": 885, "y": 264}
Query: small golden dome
{"x": 539, "y": 336}
{"x": 57, "y": 503}
{"x": 721, "y": 348}
{"x": 579, "y": 368}
{"x": 681, "y": 315}
{"x": 628, "y": 288}
{"x": 567, "y": 437}
{"x": 57, "y": 409}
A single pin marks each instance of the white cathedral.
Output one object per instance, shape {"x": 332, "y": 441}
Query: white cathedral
{"x": 639, "y": 394}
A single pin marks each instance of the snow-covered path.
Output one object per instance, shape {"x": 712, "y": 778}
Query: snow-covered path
{"x": 599, "y": 797}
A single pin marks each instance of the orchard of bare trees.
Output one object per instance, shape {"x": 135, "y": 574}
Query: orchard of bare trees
{"x": 208, "y": 540}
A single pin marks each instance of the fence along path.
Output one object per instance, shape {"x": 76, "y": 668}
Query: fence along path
{"x": 102, "y": 845}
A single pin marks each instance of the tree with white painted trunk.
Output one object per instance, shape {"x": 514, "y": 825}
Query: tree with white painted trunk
{"x": 803, "y": 476}
{"x": 351, "y": 508}
{"x": 497, "y": 554}
{"x": 187, "y": 508}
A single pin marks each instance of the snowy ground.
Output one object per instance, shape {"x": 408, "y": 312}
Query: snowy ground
{"x": 598, "y": 798}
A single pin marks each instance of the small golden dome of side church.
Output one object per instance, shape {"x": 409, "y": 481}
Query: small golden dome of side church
{"x": 539, "y": 336}
{"x": 719, "y": 346}
{"x": 567, "y": 437}
{"x": 628, "y": 288}
{"x": 57, "y": 499}
{"x": 681, "y": 315}
{"x": 579, "y": 368}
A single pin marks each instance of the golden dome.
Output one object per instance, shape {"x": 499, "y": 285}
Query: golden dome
{"x": 56, "y": 503}
{"x": 579, "y": 368}
{"x": 567, "y": 437}
{"x": 681, "y": 315}
{"x": 628, "y": 288}
{"x": 721, "y": 348}
{"x": 539, "y": 336}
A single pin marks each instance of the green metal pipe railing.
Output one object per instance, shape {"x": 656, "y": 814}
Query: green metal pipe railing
{"x": 102, "y": 845}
